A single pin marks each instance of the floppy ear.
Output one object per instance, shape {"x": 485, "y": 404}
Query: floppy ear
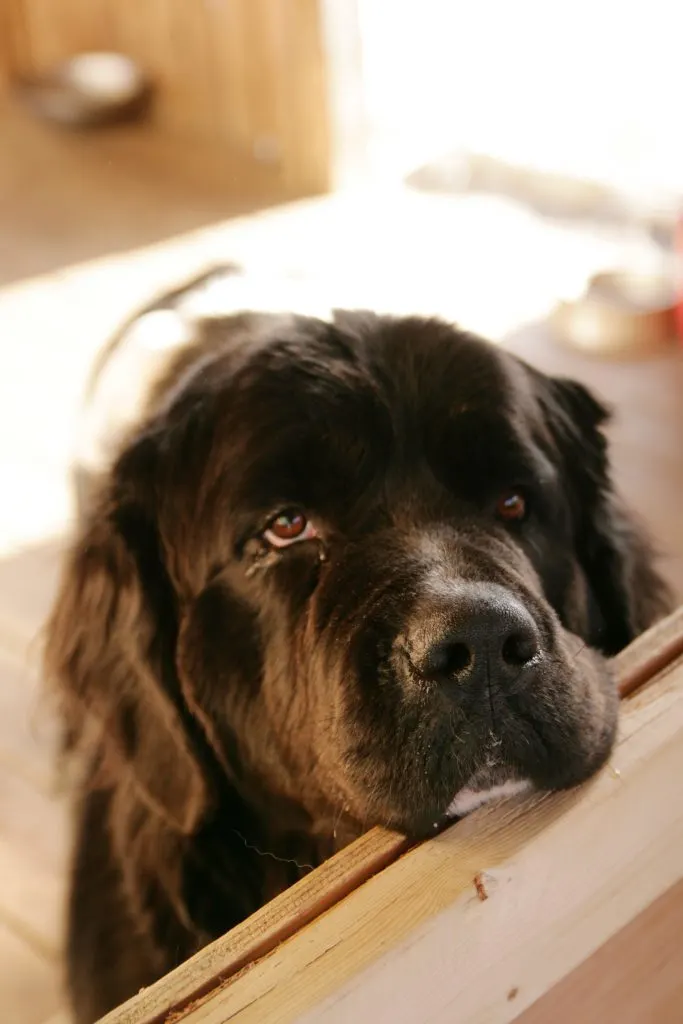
{"x": 613, "y": 549}
{"x": 109, "y": 657}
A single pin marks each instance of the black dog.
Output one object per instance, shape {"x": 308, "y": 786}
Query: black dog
{"x": 345, "y": 573}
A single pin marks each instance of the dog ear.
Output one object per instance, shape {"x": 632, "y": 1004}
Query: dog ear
{"x": 109, "y": 657}
{"x": 613, "y": 549}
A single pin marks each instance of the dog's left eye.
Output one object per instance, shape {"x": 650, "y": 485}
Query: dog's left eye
{"x": 287, "y": 528}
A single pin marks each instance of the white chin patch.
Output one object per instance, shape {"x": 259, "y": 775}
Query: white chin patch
{"x": 467, "y": 800}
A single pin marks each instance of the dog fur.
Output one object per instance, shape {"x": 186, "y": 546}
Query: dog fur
{"x": 238, "y": 711}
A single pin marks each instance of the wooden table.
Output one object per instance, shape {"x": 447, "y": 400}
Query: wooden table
{"x": 559, "y": 907}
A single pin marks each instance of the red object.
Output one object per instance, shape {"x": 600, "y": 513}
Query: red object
{"x": 679, "y": 285}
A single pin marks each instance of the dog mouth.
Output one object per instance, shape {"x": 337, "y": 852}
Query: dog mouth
{"x": 493, "y": 781}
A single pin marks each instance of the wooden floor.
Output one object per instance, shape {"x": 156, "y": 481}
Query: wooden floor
{"x": 67, "y": 198}
{"x": 50, "y": 329}
{"x": 33, "y": 821}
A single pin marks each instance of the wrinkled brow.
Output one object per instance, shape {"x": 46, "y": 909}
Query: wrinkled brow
{"x": 479, "y": 449}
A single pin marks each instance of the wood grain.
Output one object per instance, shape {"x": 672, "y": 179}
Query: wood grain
{"x": 187, "y": 106}
{"x": 56, "y": 31}
{"x": 650, "y": 653}
{"x": 564, "y": 872}
{"x": 301, "y": 97}
{"x": 246, "y": 77}
{"x": 637, "y": 976}
{"x": 230, "y": 59}
{"x": 143, "y": 31}
{"x": 12, "y": 41}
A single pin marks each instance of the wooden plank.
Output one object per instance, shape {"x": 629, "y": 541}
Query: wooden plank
{"x": 229, "y": 56}
{"x": 187, "y": 106}
{"x": 247, "y": 76}
{"x": 650, "y": 653}
{"x": 299, "y": 80}
{"x": 216, "y": 964}
{"x": 637, "y": 976}
{"x": 144, "y": 32}
{"x": 264, "y": 930}
{"x": 564, "y": 872}
{"x": 269, "y": 87}
{"x": 260, "y": 51}
{"x": 57, "y": 30}
{"x": 12, "y": 41}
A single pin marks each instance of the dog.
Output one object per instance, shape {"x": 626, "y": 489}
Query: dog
{"x": 337, "y": 571}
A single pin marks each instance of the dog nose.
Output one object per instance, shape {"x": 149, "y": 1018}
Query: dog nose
{"x": 488, "y": 635}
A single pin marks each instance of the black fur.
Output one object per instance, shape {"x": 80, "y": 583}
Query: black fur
{"x": 241, "y": 713}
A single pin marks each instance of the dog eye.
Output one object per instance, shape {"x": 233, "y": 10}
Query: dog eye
{"x": 288, "y": 528}
{"x": 511, "y": 506}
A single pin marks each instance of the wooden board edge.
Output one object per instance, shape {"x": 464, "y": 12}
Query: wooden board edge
{"x": 637, "y": 975}
{"x": 281, "y": 918}
{"x": 260, "y": 933}
{"x": 649, "y": 653}
{"x": 561, "y": 874}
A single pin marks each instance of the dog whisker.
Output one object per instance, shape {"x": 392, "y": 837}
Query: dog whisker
{"x": 273, "y": 856}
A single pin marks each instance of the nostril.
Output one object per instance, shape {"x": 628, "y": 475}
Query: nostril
{"x": 519, "y": 648}
{"x": 449, "y": 659}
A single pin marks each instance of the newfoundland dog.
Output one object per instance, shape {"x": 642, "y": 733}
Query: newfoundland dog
{"x": 337, "y": 571}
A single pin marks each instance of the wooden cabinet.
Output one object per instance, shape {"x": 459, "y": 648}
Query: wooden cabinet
{"x": 247, "y": 77}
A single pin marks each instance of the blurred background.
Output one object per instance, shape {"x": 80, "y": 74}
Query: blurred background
{"x": 514, "y": 167}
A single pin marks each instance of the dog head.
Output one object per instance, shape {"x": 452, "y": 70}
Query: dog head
{"x": 366, "y": 570}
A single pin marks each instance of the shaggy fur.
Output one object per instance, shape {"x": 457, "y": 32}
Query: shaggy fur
{"x": 240, "y": 711}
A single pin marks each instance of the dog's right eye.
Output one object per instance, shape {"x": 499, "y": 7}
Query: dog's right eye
{"x": 511, "y": 506}
{"x": 287, "y": 528}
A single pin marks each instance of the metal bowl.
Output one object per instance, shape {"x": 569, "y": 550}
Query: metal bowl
{"x": 620, "y": 312}
{"x": 88, "y": 90}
